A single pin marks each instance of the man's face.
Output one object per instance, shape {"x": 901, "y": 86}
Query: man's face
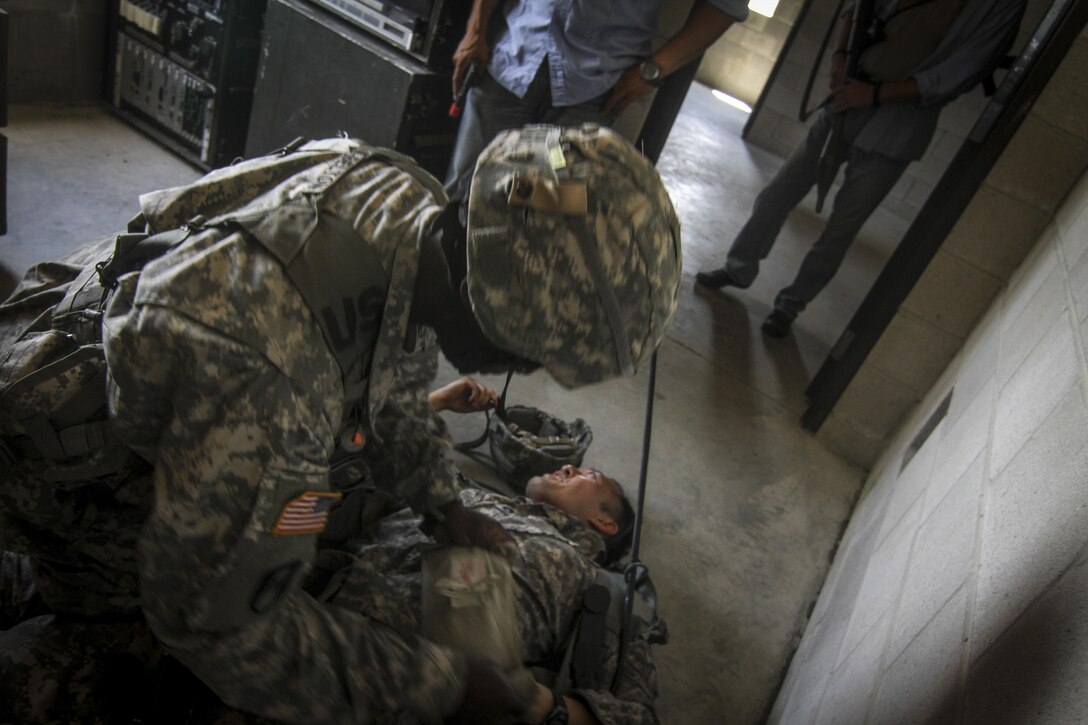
{"x": 581, "y": 492}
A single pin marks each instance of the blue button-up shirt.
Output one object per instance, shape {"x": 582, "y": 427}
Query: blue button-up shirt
{"x": 588, "y": 43}
{"x": 978, "y": 38}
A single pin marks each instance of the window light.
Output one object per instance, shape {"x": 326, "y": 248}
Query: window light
{"x": 734, "y": 102}
{"x": 763, "y": 7}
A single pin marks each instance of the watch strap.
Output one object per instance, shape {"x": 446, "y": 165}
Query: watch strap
{"x": 559, "y": 715}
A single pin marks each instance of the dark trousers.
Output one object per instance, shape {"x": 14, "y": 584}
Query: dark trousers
{"x": 868, "y": 179}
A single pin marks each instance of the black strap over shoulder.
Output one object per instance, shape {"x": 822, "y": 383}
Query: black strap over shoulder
{"x": 86, "y": 297}
{"x": 591, "y": 644}
{"x": 603, "y": 621}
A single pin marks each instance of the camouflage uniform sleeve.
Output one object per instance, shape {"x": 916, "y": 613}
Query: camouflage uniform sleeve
{"x": 636, "y": 691}
{"x": 408, "y": 451}
{"x": 233, "y": 440}
{"x": 415, "y": 378}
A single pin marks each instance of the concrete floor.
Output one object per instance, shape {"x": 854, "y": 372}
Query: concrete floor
{"x": 743, "y": 507}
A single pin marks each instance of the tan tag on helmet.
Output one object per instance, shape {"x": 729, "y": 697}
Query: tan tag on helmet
{"x": 563, "y": 197}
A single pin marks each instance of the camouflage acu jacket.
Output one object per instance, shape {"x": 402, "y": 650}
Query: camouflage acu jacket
{"x": 220, "y": 378}
{"x": 555, "y": 566}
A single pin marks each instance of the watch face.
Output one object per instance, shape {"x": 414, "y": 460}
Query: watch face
{"x": 649, "y": 71}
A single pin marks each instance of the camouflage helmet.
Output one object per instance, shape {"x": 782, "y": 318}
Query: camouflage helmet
{"x": 527, "y": 442}
{"x": 574, "y": 255}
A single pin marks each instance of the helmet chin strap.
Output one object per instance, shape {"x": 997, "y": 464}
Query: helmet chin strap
{"x": 500, "y": 410}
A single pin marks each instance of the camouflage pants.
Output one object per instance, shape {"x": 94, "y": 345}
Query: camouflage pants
{"x": 54, "y": 670}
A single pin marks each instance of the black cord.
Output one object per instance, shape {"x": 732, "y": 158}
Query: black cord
{"x": 635, "y": 570}
{"x": 802, "y": 113}
{"x": 646, "y": 431}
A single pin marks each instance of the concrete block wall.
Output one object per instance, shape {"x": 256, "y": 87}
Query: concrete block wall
{"x": 1022, "y": 192}
{"x": 775, "y": 124}
{"x": 960, "y": 590}
{"x": 740, "y": 62}
{"x": 57, "y": 50}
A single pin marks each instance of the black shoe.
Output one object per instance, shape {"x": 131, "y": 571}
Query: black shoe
{"x": 718, "y": 278}
{"x": 777, "y": 324}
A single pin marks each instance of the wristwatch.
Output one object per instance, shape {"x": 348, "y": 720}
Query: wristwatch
{"x": 559, "y": 714}
{"x": 650, "y": 72}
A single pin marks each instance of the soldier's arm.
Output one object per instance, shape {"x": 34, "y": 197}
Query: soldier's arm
{"x": 221, "y": 555}
{"x": 408, "y": 455}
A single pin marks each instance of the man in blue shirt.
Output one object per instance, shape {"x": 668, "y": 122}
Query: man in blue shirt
{"x": 568, "y": 62}
{"x": 926, "y": 55}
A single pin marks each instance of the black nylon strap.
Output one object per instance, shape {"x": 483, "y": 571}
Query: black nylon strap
{"x": 44, "y": 437}
{"x": 500, "y": 410}
{"x": 81, "y": 439}
{"x": 592, "y": 642}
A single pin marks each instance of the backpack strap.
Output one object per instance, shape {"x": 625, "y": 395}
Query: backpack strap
{"x": 79, "y": 426}
{"x": 599, "y": 625}
{"x": 592, "y": 641}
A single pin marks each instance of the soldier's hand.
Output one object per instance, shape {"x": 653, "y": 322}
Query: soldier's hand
{"x": 489, "y": 697}
{"x": 466, "y": 527}
{"x": 463, "y": 396}
{"x": 543, "y": 702}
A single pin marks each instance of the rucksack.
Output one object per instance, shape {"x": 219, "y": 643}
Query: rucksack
{"x": 53, "y": 378}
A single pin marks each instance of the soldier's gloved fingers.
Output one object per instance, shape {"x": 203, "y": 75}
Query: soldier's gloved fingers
{"x": 489, "y": 697}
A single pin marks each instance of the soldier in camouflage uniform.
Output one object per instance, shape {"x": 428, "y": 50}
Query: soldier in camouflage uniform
{"x": 561, "y": 532}
{"x": 232, "y": 389}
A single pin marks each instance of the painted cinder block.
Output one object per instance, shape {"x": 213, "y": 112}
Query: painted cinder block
{"x": 995, "y": 232}
{"x": 913, "y": 352}
{"x": 952, "y": 295}
{"x": 1038, "y": 385}
{"x": 940, "y": 564}
{"x": 1020, "y": 174}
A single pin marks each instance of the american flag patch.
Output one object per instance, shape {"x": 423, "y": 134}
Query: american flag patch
{"x": 307, "y": 513}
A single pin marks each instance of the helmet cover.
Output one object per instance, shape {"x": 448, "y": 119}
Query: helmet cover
{"x": 574, "y": 257}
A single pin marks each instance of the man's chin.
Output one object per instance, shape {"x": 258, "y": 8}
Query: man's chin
{"x": 535, "y": 487}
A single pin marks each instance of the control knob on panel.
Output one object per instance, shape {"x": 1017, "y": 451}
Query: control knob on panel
{"x": 206, "y": 53}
